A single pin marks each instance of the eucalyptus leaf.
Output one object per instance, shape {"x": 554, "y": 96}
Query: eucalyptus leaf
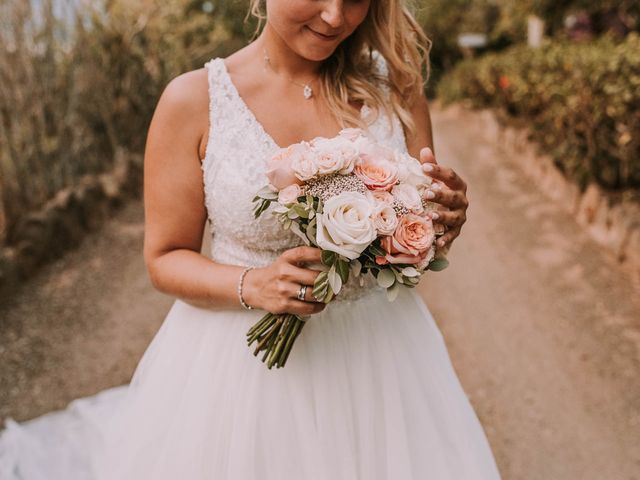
{"x": 438, "y": 264}
{"x": 392, "y": 292}
{"x": 295, "y": 228}
{"x": 280, "y": 209}
{"x": 410, "y": 272}
{"x": 386, "y": 278}
{"x": 399, "y": 277}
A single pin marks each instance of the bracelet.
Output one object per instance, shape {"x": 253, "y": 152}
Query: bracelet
{"x": 240, "y": 284}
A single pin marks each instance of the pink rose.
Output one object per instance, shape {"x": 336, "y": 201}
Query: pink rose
{"x": 279, "y": 167}
{"x": 381, "y": 197}
{"x": 377, "y": 174}
{"x": 411, "y": 242}
{"x": 289, "y": 194}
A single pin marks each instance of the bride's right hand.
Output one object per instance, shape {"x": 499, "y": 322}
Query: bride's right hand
{"x": 275, "y": 288}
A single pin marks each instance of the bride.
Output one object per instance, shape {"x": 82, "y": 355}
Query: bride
{"x": 368, "y": 391}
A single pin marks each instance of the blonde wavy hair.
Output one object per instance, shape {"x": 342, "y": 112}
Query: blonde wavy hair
{"x": 350, "y": 73}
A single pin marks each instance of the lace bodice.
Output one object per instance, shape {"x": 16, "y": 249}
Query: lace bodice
{"x": 234, "y": 169}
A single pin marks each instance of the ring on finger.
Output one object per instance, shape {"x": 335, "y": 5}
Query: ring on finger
{"x": 302, "y": 293}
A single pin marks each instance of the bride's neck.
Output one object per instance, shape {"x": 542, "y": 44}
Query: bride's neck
{"x": 284, "y": 60}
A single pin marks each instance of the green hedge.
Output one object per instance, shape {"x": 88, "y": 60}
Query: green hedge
{"x": 581, "y": 102}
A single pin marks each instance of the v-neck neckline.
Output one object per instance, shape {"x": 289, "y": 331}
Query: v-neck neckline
{"x": 252, "y": 115}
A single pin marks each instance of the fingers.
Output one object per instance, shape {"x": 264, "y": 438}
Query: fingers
{"x": 308, "y": 294}
{"x": 291, "y": 274}
{"x": 446, "y": 175}
{"x": 304, "y": 308}
{"x": 427, "y": 156}
{"x": 446, "y": 239}
{"x": 453, "y": 199}
{"x": 300, "y": 255}
{"x": 455, "y": 218}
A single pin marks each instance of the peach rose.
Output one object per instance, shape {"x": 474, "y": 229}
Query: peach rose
{"x": 334, "y": 155}
{"x": 410, "y": 243}
{"x": 384, "y": 219}
{"x": 289, "y": 194}
{"x": 280, "y": 167}
{"x": 381, "y": 197}
{"x": 377, "y": 174}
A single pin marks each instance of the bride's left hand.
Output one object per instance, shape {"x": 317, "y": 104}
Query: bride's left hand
{"x": 450, "y": 191}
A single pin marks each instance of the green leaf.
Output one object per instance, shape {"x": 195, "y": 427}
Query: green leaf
{"x": 386, "y": 278}
{"x": 377, "y": 250}
{"x": 321, "y": 286}
{"x": 342, "y": 267}
{"x": 280, "y": 209}
{"x": 399, "y": 277}
{"x": 356, "y": 267}
{"x": 334, "y": 280}
{"x": 410, "y": 272}
{"x": 438, "y": 264}
{"x": 267, "y": 194}
{"x": 301, "y": 210}
{"x": 295, "y": 228}
{"x": 392, "y": 292}
{"x": 328, "y": 257}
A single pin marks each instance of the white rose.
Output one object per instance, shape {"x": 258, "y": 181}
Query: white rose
{"x": 345, "y": 226}
{"x": 289, "y": 194}
{"x": 334, "y": 155}
{"x": 378, "y": 197}
{"x": 303, "y": 162}
{"x": 384, "y": 219}
{"x": 410, "y": 171}
{"x": 409, "y": 196}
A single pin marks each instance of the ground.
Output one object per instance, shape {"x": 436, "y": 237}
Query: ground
{"x": 542, "y": 325}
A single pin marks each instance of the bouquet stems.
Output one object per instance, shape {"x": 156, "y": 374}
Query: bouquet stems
{"x": 275, "y": 335}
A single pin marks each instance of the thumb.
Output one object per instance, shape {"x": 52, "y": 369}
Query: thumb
{"x": 426, "y": 155}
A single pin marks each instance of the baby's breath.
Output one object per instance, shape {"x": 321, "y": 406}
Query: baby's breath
{"x": 400, "y": 208}
{"x": 328, "y": 186}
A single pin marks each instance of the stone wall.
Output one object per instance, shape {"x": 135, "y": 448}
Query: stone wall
{"x": 62, "y": 222}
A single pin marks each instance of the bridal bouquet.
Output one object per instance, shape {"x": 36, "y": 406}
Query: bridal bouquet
{"x": 362, "y": 204}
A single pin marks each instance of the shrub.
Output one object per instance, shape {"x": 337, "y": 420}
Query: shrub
{"x": 78, "y": 79}
{"x": 580, "y": 101}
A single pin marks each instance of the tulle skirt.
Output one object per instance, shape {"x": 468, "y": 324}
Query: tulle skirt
{"x": 368, "y": 392}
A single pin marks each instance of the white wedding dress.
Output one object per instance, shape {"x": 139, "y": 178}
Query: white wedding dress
{"x": 368, "y": 392}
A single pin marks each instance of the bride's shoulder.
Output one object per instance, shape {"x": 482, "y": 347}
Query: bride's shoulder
{"x": 184, "y": 105}
{"x": 188, "y": 90}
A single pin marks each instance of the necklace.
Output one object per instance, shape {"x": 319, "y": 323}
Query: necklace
{"x": 307, "y": 91}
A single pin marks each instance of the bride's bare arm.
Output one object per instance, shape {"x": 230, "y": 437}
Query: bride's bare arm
{"x": 175, "y": 216}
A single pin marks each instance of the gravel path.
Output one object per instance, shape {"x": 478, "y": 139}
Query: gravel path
{"x": 542, "y": 326}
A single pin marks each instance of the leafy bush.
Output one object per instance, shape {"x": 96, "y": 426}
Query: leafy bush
{"x": 579, "y": 100}
{"x": 80, "y": 79}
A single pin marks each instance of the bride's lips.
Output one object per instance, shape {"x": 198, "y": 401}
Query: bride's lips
{"x": 326, "y": 38}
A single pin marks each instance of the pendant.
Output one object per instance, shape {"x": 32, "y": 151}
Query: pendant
{"x": 308, "y": 93}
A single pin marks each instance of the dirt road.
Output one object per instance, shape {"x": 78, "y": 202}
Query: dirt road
{"x": 542, "y": 326}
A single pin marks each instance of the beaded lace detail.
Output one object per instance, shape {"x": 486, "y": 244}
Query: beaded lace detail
{"x": 234, "y": 169}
